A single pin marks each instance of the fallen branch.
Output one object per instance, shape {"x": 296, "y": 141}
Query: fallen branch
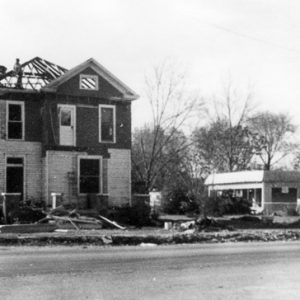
{"x": 80, "y": 220}
{"x": 73, "y": 221}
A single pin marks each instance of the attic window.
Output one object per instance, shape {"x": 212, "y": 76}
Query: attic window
{"x": 88, "y": 82}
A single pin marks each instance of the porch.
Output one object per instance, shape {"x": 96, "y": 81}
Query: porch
{"x": 268, "y": 191}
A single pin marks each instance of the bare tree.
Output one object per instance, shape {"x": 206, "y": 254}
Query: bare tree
{"x": 235, "y": 105}
{"x": 271, "y": 135}
{"x": 193, "y": 175}
{"x": 171, "y": 108}
{"x": 224, "y": 143}
{"x": 224, "y": 148}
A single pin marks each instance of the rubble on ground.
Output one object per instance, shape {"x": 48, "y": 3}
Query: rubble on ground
{"x": 211, "y": 224}
{"x": 59, "y": 218}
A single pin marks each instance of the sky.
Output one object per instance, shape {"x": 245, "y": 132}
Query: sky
{"x": 254, "y": 42}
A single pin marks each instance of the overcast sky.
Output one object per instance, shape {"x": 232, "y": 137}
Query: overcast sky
{"x": 255, "y": 41}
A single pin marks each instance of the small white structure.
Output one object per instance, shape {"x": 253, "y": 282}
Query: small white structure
{"x": 269, "y": 191}
{"x": 55, "y": 197}
{"x": 155, "y": 198}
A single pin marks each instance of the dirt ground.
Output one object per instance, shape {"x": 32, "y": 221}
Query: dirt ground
{"x": 260, "y": 222}
{"x": 220, "y": 230}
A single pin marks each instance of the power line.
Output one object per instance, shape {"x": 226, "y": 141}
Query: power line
{"x": 243, "y": 35}
{"x": 246, "y": 36}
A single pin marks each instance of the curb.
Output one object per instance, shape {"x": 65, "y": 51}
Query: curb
{"x": 176, "y": 238}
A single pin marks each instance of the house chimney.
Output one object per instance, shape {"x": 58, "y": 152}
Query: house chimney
{"x": 2, "y": 70}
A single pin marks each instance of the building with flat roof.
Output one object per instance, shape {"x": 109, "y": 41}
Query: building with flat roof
{"x": 270, "y": 191}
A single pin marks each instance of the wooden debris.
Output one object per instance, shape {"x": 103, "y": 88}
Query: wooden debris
{"x": 61, "y": 215}
{"x": 76, "y": 227}
{"x": 113, "y": 223}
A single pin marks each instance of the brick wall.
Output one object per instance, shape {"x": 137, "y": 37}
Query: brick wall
{"x": 61, "y": 175}
{"x": 119, "y": 177}
{"x": 31, "y": 152}
{"x": 57, "y": 165}
{"x": 87, "y": 124}
{"x": 285, "y": 203}
{"x": 71, "y": 87}
{"x": 2, "y": 119}
{"x": 289, "y": 208}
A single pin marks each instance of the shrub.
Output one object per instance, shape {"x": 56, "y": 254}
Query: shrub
{"x": 137, "y": 215}
{"x": 26, "y": 215}
{"x": 177, "y": 201}
{"x": 218, "y": 206}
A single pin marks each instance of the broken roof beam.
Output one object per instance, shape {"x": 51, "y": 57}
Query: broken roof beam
{"x": 37, "y": 73}
{"x": 48, "y": 67}
{"x": 40, "y": 70}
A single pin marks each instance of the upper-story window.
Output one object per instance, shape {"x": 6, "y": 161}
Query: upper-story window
{"x": 107, "y": 124}
{"x": 15, "y": 120}
{"x": 88, "y": 82}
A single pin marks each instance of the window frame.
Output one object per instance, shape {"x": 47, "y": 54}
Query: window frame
{"x": 23, "y": 165}
{"x": 22, "y": 119}
{"x": 100, "y": 123}
{"x": 98, "y": 157}
{"x": 86, "y": 76}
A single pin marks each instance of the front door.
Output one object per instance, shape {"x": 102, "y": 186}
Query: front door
{"x": 67, "y": 125}
{"x": 14, "y": 175}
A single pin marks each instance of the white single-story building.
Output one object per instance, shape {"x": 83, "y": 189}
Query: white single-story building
{"x": 270, "y": 191}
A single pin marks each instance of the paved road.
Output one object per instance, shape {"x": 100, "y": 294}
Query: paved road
{"x": 219, "y": 271}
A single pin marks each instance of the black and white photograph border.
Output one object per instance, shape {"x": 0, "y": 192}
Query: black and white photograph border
{"x": 149, "y": 149}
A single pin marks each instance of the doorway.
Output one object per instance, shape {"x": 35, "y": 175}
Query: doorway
{"x": 15, "y": 175}
{"x": 67, "y": 125}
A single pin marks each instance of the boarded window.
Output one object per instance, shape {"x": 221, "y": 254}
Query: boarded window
{"x": 15, "y": 121}
{"x": 107, "y": 124}
{"x": 89, "y": 176}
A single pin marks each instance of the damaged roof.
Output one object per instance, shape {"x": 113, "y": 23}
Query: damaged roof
{"x": 40, "y": 74}
{"x": 36, "y": 74}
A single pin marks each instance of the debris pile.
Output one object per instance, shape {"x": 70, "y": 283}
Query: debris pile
{"x": 63, "y": 217}
{"x": 59, "y": 219}
{"x": 27, "y": 215}
{"x": 207, "y": 224}
{"x": 211, "y": 224}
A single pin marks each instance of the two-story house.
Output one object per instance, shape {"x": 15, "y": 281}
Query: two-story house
{"x": 65, "y": 131}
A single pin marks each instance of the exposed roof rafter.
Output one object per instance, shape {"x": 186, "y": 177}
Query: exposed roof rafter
{"x": 36, "y": 73}
{"x": 39, "y": 74}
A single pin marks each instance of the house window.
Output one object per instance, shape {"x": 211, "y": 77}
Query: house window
{"x": 107, "y": 123}
{"x": 65, "y": 118}
{"x": 15, "y": 121}
{"x": 88, "y": 82}
{"x": 89, "y": 174}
